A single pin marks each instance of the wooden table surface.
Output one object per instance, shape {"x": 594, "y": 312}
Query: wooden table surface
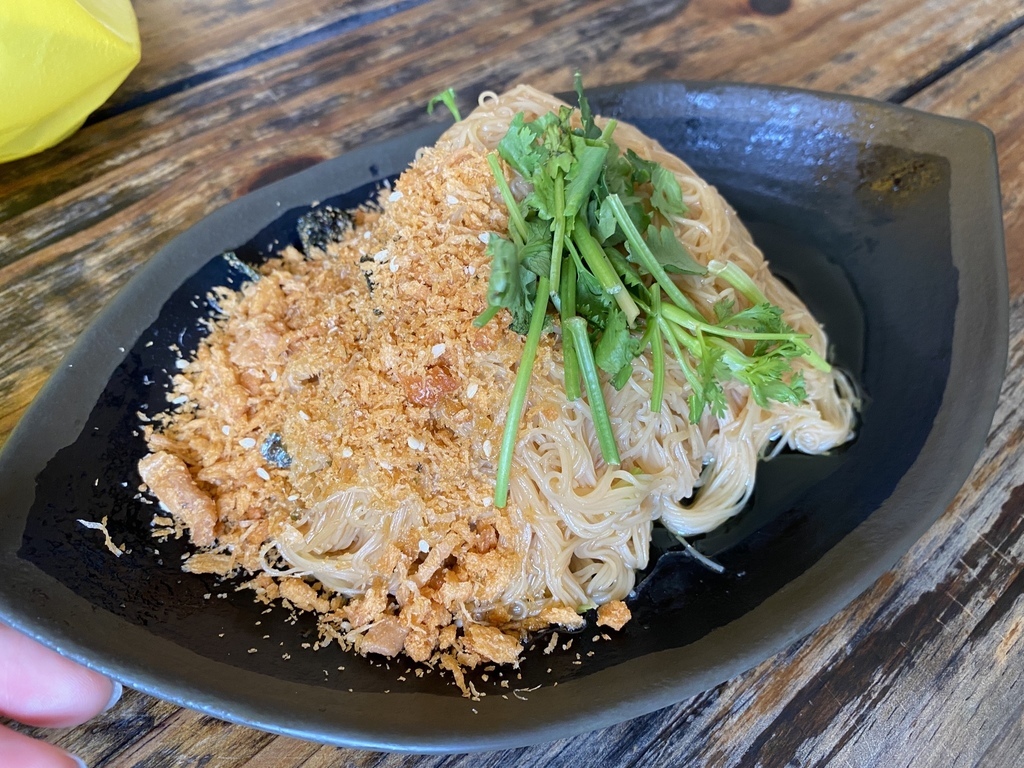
{"x": 924, "y": 669}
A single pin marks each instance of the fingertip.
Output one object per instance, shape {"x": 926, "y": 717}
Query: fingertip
{"x": 17, "y": 749}
{"x": 44, "y": 689}
{"x": 115, "y": 696}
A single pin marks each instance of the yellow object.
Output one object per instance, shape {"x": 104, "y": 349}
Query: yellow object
{"x": 59, "y": 61}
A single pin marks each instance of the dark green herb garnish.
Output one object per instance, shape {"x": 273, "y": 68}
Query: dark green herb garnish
{"x": 593, "y": 245}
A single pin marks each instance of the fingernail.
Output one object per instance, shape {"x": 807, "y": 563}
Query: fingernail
{"x": 115, "y": 696}
{"x": 78, "y": 761}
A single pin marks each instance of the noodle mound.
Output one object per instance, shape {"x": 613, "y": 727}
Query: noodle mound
{"x": 344, "y": 415}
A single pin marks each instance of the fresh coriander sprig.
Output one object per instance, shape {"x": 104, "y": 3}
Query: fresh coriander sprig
{"x": 593, "y": 244}
{"x": 446, "y": 97}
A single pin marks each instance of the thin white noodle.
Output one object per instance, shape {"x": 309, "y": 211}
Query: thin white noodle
{"x": 582, "y": 529}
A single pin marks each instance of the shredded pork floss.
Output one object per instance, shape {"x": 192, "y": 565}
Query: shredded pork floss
{"x": 388, "y": 402}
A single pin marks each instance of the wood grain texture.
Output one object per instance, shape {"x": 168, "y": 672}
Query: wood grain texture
{"x": 77, "y": 220}
{"x": 182, "y": 40}
{"x": 989, "y": 89}
{"x": 925, "y": 669}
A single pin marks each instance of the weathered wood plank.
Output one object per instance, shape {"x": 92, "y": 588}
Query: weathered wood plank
{"x": 186, "y": 41}
{"x": 989, "y": 89}
{"x": 829, "y": 45}
{"x": 83, "y": 216}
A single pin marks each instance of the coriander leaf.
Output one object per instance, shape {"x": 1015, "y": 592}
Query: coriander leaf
{"x": 641, "y": 170}
{"x": 620, "y": 379}
{"x": 446, "y": 97}
{"x": 764, "y": 376}
{"x": 670, "y": 253}
{"x": 519, "y": 147}
{"x": 667, "y": 197}
{"x": 506, "y": 286}
{"x": 535, "y": 255}
{"x": 546, "y": 127}
{"x": 617, "y": 347}
{"x": 606, "y": 224}
{"x": 709, "y": 394}
{"x": 542, "y": 198}
{"x": 559, "y": 162}
{"x": 762, "y": 318}
{"x": 592, "y": 302}
{"x": 590, "y": 130}
{"x": 723, "y": 310}
{"x": 618, "y": 175}
{"x": 778, "y": 390}
{"x": 634, "y": 211}
{"x": 583, "y": 176}
{"x": 709, "y": 372}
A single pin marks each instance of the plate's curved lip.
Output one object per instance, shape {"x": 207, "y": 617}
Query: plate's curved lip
{"x": 602, "y": 698}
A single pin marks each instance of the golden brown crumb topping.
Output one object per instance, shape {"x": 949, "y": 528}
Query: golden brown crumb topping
{"x": 614, "y": 614}
{"x": 362, "y": 367}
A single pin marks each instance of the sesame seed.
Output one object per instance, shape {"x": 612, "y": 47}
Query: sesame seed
{"x": 471, "y": 390}
{"x": 487, "y": 501}
{"x": 303, "y": 415}
{"x": 438, "y": 350}
{"x": 263, "y": 473}
{"x": 424, "y": 547}
{"x": 393, "y": 266}
{"x": 247, "y": 443}
{"x": 416, "y": 444}
{"x": 470, "y": 270}
{"x": 395, "y": 196}
{"x": 487, "y": 448}
{"x": 381, "y": 256}
{"x": 346, "y": 452}
{"x": 485, "y": 237}
{"x": 452, "y": 200}
{"x": 226, "y": 429}
{"x": 181, "y": 364}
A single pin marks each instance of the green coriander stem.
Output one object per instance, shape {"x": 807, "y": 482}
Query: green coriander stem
{"x": 558, "y": 241}
{"x": 743, "y": 283}
{"x": 577, "y": 328}
{"x": 515, "y": 216}
{"x": 519, "y": 391}
{"x": 605, "y": 273}
{"x": 816, "y": 360}
{"x": 567, "y": 309}
{"x": 657, "y": 353}
{"x": 639, "y": 249}
{"x": 590, "y": 166}
{"x": 677, "y": 316}
{"x": 673, "y": 341}
{"x": 738, "y": 279}
{"x": 486, "y": 316}
{"x": 609, "y": 128}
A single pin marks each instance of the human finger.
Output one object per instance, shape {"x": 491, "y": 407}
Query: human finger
{"x": 17, "y": 749}
{"x": 40, "y": 687}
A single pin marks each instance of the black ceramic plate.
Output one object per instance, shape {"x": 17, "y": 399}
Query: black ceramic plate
{"x": 885, "y": 220}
